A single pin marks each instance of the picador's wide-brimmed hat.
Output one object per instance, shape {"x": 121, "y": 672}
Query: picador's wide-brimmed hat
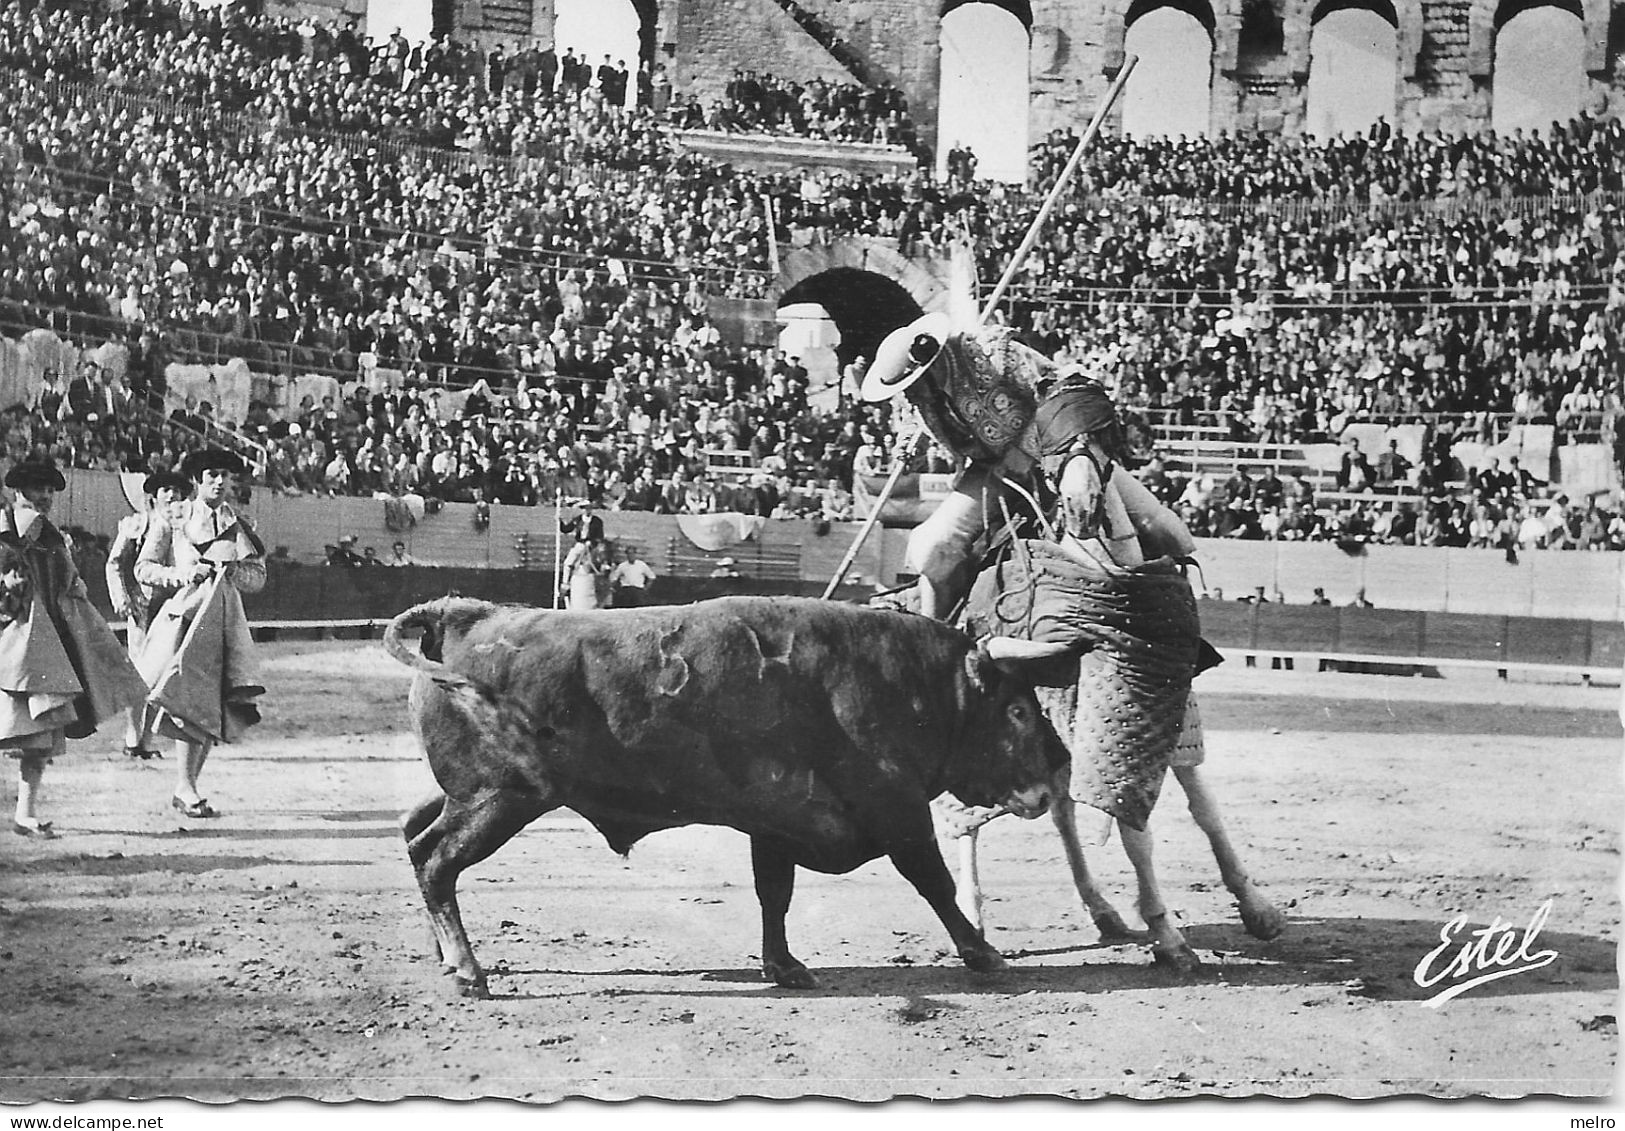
{"x": 173, "y": 480}
{"x": 904, "y": 355}
{"x": 35, "y": 473}
{"x": 212, "y": 459}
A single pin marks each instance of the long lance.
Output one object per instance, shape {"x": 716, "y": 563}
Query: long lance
{"x": 905, "y": 448}
{"x": 558, "y": 549}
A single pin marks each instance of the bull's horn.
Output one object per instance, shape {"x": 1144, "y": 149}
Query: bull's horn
{"x": 1010, "y": 648}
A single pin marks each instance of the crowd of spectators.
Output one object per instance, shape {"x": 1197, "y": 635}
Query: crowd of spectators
{"x": 205, "y": 184}
{"x": 833, "y": 111}
{"x": 1577, "y": 157}
{"x": 639, "y": 445}
{"x": 1492, "y": 506}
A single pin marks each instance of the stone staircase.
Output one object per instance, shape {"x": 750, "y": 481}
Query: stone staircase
{"x": 215, "y": 434}
{"x": 829, "y": 39}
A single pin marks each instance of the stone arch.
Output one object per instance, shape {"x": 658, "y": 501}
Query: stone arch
{"x": 1507, "y": 9}
{"x": 1201, "y": 10}
{"x": 1304, "y": 16}
{"x": 868, "y": 288}
{"x": 1122, "y": 13}
{"x": 1533, "y": 72}
{"x": 1020, "y": 9}
{"x": 1172, "y": 89}
{"x": 1488, "y": 16}
{"x": 1383, "y": 8}
{"x": 648, "y": 15}
{"x": 648, "y": 29}
{"x": 985, "y": 85}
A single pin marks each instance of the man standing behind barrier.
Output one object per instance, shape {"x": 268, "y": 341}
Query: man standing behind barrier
{"x": 630, "y": 579}
{"x": 136, "y": 602}
{"x": 199, "y": 659}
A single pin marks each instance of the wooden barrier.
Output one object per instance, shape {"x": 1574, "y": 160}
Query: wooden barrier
{"x": 1463, "y": 636}
{"x": 297, "y": 595}
{"x": 1542, "y": 583}
{"x": 1379, "y": 632}
{"x": 317, "y": 596}
{"x": 1400, "y": 635}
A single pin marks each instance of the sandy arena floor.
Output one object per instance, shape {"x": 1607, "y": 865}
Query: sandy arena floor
{"x": 282, "y": 950}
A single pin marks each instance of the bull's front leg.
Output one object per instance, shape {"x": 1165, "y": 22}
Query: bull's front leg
{"x": 775, "y": 874}
{"x": 920, "y": 863}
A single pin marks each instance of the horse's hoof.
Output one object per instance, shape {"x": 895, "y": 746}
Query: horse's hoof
{"x": 790, "y": 976}
{"x": 474, "y": 987}
{"x": 1181, "y": 961}
{"x": 984, "y": 961}
{"x": 1112, "y": 928}
{"x": 1262, "y": 920}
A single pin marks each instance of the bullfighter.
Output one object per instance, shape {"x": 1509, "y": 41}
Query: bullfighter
{"x": 199, "y": 659}
{"x": 62, "y": 671}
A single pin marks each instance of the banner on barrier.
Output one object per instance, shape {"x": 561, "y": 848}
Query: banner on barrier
{"x": 915, "y": 497}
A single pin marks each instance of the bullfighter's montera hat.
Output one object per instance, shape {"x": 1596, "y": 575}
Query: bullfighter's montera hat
{"x": 904, "y": 355}
{"x": 35, "y": 473}
{"x": 173, "y": 480}
{"x": 212, "y": 459}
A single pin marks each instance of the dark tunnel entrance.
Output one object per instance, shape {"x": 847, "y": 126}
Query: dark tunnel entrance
{"x": 864, "y": 306}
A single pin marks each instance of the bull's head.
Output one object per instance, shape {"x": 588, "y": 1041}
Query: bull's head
{"x": 1008, "y": 754}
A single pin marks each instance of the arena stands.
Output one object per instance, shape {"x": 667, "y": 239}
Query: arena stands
{"x": 847, "y": 112}
{"x": 468, "y": 276}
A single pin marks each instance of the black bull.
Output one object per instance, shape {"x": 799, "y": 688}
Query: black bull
{"x": 820, "y": 730}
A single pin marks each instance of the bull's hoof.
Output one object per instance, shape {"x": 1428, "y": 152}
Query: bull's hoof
{"x": 1262, "y": 920}
{"x": 985, "y": 960}
{"x": 1112, "y": 928}
{"x": 1180, "y": 960}
{"x": 791, "y": 975}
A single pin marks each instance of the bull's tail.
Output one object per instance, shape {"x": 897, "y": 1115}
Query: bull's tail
{"x": 495, "y": 719}
{"x": 432, "y": 618}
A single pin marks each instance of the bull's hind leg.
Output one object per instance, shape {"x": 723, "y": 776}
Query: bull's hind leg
{"x": 462, "y": 834}
{"x": 421, "y": 816}
{"x": 1258, "y": 914}
{"x": 414, "y": 822}
{"x": 775, "y": 874}
{"x": 1107, "y": 921}
{"x": 1168, "y": 945}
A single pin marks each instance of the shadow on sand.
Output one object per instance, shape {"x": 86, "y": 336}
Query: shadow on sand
{"x": 1365, "y": 957}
